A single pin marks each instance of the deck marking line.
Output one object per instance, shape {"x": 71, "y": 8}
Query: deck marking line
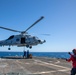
{"x": 57, "y": 62}
{"x": 64, "y": 70}
{"x": 44, "y": 72}
{"x": 52, "y": 64}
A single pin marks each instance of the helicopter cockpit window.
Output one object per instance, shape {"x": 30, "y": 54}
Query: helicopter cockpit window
{"x": 10, "y": 37}
{"x": 33, "y": 37}
{"x": 36, "y": 37}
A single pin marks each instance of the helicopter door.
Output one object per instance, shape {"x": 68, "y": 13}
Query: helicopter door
{"x": 22, "y": 40}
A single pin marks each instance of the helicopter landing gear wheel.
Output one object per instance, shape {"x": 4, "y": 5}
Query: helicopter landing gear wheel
{"x": 9, "y": 48}
{"x": 30, "y": 47}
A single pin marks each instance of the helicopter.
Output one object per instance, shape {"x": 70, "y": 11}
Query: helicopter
{"x": 23, "y": 39}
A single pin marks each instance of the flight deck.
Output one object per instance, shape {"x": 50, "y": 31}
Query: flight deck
{"x": 34, "y": 66}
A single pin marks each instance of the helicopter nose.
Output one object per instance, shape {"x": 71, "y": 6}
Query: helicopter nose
{"x": 44, "y": 40}
{"x": 41, "y": 41}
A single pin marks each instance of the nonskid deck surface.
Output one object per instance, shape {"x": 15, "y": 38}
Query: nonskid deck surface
{"x": 34, "y": 66}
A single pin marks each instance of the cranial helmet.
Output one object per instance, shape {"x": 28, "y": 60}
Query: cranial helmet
{"x": 74, "y": 50}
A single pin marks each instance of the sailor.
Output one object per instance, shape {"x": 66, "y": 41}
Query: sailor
{"x": 24, "y": 55}
{"x": 73, "y": 59}
{"x": 27, "y": 53}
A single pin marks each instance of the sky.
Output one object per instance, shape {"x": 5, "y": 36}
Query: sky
{"x": 59, "y": 21}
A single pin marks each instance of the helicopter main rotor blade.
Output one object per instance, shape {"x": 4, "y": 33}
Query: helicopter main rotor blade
{"x": 46, "y": 34}
{"x": 34, "y": 23}
{"x": 40, "y": 34}
{"x": 9, "y": 29}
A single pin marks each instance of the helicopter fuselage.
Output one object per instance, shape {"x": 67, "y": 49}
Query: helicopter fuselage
{"x": 21, "y": 40}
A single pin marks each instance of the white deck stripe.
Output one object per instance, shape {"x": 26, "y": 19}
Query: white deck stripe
{"x": 44, "y": 72}
{"x": 52, "y": 64}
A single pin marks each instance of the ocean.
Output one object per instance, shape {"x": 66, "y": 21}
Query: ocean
{"x": 38, "y": 54}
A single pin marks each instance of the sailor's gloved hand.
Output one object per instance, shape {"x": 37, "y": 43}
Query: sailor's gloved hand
{"x": 69, "y": 53}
